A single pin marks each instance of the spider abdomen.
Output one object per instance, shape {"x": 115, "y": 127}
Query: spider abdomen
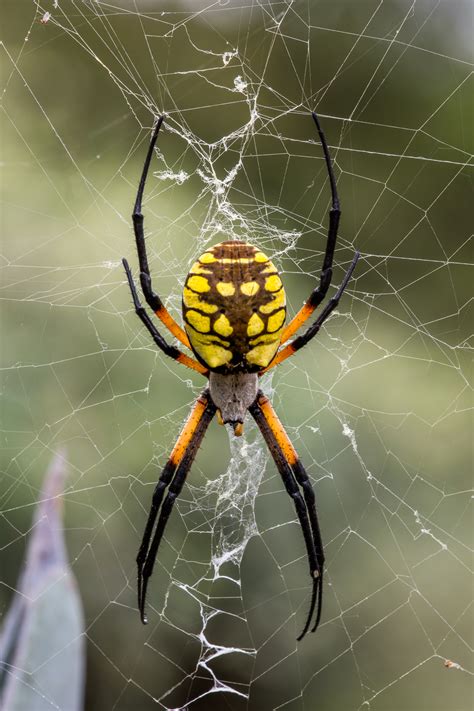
{"x": 234, "y": 308}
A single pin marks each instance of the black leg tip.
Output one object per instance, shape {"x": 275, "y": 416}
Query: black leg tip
{"x": 128, "y": 271}
{"x": 141, "y": 608}
{"x": 316, "y": 120}
{"x": 159, "y": 120}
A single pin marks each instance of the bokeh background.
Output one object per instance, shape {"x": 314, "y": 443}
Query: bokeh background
{"x": 378, "y": 405}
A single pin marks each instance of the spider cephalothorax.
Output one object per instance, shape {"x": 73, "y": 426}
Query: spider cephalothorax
{"x": 234, "y": 310}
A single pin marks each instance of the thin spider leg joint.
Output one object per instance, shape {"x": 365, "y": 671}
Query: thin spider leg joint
{"x": 168, "y": 349}
{"x": 302, "y": 340}
{"x": 160, "y": 310}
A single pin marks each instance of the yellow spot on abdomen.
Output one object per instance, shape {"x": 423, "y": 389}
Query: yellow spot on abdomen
{"x": 260, "y": 257}
{"x": 210, "y": 348}
{"x": 276, "y": 321}
{"x": 235, "y": 260}
{"x": 198, "y": 321}
{"x": 249, "y": 288}
{"x": 216, "y": 356}
{"x": 207, "y": 258}
{"x": 263, "y": 354}
{"x": 273, "y": 283}
{"x": 264, "y": 338}
{"x": 198, "y": 283}
{"x": 255, "y": 325}
{"x": 212, "y": 354}
{"x": 225, "y": 288}
{"x": 222, "y": 326}
{"x": 277, "y": 302}
{"x": 194, "y": 301}
{"x": 198, "y": 269}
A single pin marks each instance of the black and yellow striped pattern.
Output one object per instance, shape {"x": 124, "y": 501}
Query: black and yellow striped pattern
{"x": 234, "y": 308}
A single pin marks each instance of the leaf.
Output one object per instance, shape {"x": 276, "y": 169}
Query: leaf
{"x": 42, "y": 649}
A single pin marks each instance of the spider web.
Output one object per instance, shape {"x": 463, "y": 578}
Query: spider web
{"x": 377, "y": 406}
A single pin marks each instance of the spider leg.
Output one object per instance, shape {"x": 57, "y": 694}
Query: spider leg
{"x": 169, "y": 350}
{"x": 302, "y": 340}
{"x": 293, "y": 473}
{"x": 320, "y": 291}
{"x": 173, "y": 475}
{"x": 152, "y": 299}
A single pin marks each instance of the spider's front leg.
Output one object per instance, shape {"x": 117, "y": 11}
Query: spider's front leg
{"x": 168, "y": 349}
{"x": 310, "y": 332}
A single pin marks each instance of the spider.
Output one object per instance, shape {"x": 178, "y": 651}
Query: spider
{"x": 234, "y": 310}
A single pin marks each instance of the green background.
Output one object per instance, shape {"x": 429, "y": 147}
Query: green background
{"x": 378, "y": 405}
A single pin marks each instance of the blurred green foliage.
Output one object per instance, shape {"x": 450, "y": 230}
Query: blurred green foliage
{"x": 391, "y": 83}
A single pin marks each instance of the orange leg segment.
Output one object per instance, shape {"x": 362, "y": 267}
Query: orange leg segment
{"x": 297, "y": 321}
{"x": 280, "y": 356}
{"x": 166, "y": 319}
{"x": 168, "y": 349}
{"x": 278, "y": 431}
{"x": 191, "y": 363}
{"x": 188, "y": 431}
{"x": 303, "y": 315}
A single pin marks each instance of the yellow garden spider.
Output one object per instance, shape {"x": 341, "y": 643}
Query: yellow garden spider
{"x": 234, "y": 310}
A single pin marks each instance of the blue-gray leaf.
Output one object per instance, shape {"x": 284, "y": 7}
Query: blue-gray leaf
{"x": 42, "y": 650}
